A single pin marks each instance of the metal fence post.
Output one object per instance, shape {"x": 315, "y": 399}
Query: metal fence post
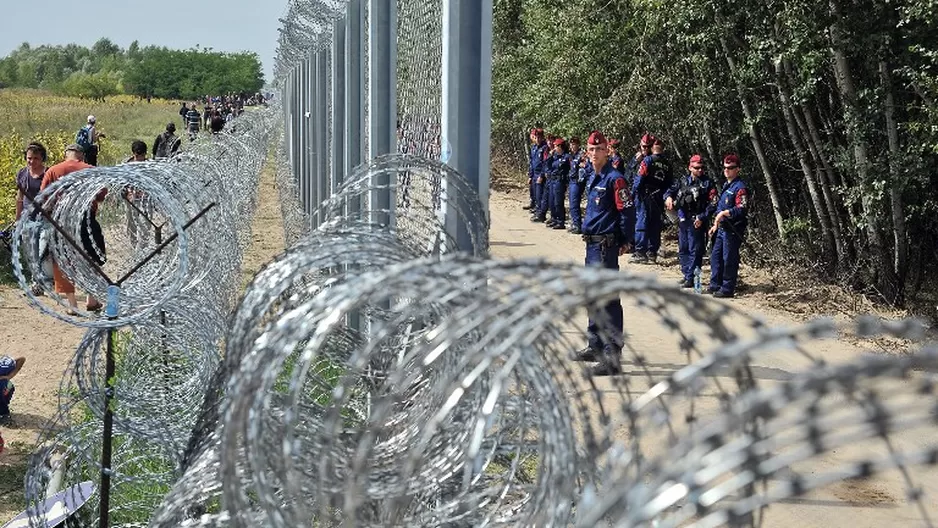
{"x": 303, "y": 110}
{"x": 354, "y": 106}
{"x": 382, "y": 115}
{"x": 322, "y": 127}
{"x": 354, "y": 92}
{"x": 466, "y": 112}
{"x": 315, "y": 115}
{"x": 339, "y": 123}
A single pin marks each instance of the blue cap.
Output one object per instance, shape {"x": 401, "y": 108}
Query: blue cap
{"x": 7, "y": 365}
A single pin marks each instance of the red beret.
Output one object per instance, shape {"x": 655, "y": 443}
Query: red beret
{"x": 575, "y": 139}
{"x": 731, "y": 159}
{"x": 613, "y": 142}
{"x": 696, "y": 159}
{"x": 648, "y": 139}
{"x": 596, "y": 138}
{"x": 538, "y": 132}
{"x": 558, "y": 141}
{"x": 534, "y": 131}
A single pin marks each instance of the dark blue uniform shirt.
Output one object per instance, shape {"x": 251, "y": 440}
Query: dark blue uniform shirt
{"x": 735, "y": 199}
{"x": 609, "y": 206}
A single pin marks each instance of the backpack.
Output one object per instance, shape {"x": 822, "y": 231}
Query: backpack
{"x": 83, "y": 138}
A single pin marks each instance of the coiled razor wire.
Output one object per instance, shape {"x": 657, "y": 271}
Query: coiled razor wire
{"x": 172, "y": 317}
{"x": 459, "y": 406}
{"x": 374, "y": 375}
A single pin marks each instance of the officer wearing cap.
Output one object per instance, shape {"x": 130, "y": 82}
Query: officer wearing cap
{"x": 644, "y": 150}
{"x": 608, "y": 228}
{"x": 540, "y": 151}
{"x": 729, "y": 228}
{"x": 695, "y": 198}
{"x": 579, "y": 167}
{"x": 652, "y": 179}
{"x": 614, "y": 158}
{"x": 558, "y": 168}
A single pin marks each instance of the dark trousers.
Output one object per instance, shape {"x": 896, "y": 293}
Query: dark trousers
{"x": 92, "y": 239}
{"x": 558, "y": 213}
{"x": 533, "y": 197}
{"x": 724, "y": 260}
{"x": 691, "y": 245}
{"x": 648, "y": 226}
{"x": 543, "y": 199}
{"x": 575, "y": 191}
{"x": 605, "y": 329}
{"x": 540, "y": 195}
{"x": 91, "y": 155}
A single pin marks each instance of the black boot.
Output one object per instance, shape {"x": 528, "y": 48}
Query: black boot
{"x": 587, "y": 354}
{"x": 608, "y": 366}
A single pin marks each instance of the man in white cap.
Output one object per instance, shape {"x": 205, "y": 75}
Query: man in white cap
{"x": 88, "y": 138}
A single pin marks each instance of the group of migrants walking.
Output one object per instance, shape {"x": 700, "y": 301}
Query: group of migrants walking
{"x": 626, "y": 202}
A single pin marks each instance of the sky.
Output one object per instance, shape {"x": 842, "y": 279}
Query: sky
{"x": 223, "y": 25}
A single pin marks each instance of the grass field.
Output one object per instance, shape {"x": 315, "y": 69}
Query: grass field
{"x": 53, "y": 120}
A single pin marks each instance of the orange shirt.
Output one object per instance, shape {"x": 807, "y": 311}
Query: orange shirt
{"x": 60, "y": 170}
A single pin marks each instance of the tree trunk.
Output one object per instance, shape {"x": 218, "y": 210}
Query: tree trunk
{"x": 899, "y": 231}
{"x": 712, "y": 152}
{"x": 810, "y": 179}
{"x": 754, "y": 137}
{"x": 882, "y": 266}
{"x": 826, "y": 178}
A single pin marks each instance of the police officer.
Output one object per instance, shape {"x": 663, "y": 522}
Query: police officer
{"x": 579, "y": 162}
{"x": 614, "y": 158}
{"x": 535, "y": 165}
{"x": 694, "y": 197}
{"x": 652, "y": 179}
{"x": 644, "y": 150}
{"x": 729, "y": 228}
{"x": 558, "y": 169}
{"x": 608, "y": 228}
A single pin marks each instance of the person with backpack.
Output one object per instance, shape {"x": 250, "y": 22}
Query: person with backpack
{"x": 166, "y": 145}
{"x": 193, "y": 122}
{"x": 88, "y": 139}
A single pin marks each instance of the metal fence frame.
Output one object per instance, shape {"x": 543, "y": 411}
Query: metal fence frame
{"x": 341, "y": 105}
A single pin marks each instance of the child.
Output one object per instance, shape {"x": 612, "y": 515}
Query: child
{"x": 9, "y": 367}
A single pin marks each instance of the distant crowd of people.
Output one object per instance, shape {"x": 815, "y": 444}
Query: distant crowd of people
{"x": 216, "y": 112}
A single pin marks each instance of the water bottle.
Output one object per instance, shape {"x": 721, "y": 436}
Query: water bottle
{"x": 697, "y": 287}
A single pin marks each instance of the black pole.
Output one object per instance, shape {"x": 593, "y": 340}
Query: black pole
{"x": 108, "y": 434}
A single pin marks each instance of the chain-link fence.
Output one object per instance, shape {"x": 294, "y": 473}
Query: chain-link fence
{"x": 363, "y": 78}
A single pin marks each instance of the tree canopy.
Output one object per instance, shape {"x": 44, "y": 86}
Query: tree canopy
{"x": 105, "y": 69}
{"x": 830, "y": 104}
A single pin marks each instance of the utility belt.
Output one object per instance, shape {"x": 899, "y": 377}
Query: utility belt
{"x": 607, "y": 240}
{"x": 554, "y": 177}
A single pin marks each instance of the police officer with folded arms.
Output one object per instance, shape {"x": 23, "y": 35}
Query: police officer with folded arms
{"x": 608, "y": 230}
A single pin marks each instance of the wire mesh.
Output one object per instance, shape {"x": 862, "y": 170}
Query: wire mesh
{"x": 375, "y": 375}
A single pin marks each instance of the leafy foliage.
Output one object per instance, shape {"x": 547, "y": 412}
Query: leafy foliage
{"x": 820, "y": 88}
{"x": 105, "y": 70}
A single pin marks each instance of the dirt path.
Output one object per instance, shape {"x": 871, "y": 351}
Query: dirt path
{"x": 875, "y": 503}
{"x": 49, "y": 345}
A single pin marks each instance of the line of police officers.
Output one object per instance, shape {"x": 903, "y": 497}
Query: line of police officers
{"x": 624, "y": 212}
